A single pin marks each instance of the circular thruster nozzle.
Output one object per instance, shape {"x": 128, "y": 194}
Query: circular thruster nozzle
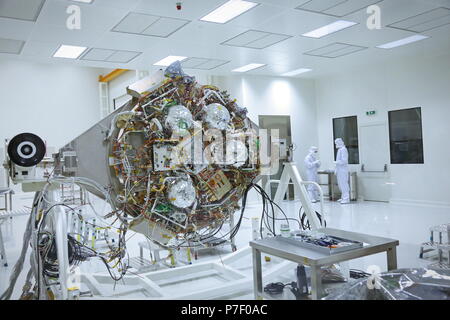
{"x": 26, "y": 150}
{"x": 217, "y": 116}
{"x": 179, "y": 120}
{"x": 181, "y": 193}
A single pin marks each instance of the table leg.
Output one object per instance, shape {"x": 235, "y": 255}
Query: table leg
{"x": 257, "y": 274}
{"x": 316, "y": 283}
{"x": 392, "y": 258}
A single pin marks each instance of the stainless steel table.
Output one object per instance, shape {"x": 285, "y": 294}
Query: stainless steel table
{"x": 315, "y": 260}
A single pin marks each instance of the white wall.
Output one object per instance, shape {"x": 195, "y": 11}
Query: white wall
{"x": 278, "y": 96}
{"x": 56, "y": 102}
{"x": 420, "y": 82}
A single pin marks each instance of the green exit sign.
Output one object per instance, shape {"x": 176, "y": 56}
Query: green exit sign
{"x": 371, "y": 113}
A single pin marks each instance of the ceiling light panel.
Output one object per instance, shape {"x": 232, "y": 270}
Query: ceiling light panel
{"x": 167, "y": 61}
{"x": 249, "y": 67}
{"x": 83, "y": 1}
{"x": 110, "y": 55}
{"x": 69, "y": 52}
{"x": 335, "y": 50}
{"x": 27, "y": 10}
{"x": 11, "y": 46}
{"x": 203, "y": 63}
{"x": 329, "y": 29}
{"x": 229, "y": 10}
{"x": 425, "y": 21}
{"x": 402, "y": 42}
{"x": 256, "y": 39}
{"x": 149, "y": 25}
{"x": 335, "y": 8}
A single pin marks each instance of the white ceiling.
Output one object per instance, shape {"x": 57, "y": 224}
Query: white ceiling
{"x": 134, "y": 34}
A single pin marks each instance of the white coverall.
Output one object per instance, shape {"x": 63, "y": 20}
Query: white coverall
{"x": 312, "y": 164}
{"x": 341, "y": 171}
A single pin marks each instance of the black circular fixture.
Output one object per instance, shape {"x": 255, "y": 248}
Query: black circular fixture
{"x": 26, "y": 150}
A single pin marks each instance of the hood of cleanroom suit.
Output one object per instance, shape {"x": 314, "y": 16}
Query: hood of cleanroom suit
{"x": 339, "y": 143}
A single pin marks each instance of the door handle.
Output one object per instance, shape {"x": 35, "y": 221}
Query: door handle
{"x": 384, "y": 170}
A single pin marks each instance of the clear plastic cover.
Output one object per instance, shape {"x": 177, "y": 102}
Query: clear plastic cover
{"x": 217, "y": 116}
{"x": 179, "y": 120}
{"x": 404, "y": 284}
{"x": 181, "y": 192}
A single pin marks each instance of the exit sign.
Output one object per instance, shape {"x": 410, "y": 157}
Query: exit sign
{"x": 371, "y": 113}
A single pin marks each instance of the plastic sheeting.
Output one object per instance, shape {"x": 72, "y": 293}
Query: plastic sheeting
{"x": 403, "y": 284}
{"x": 175, "y": 70}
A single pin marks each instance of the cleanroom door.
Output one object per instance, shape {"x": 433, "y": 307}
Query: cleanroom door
{"x": 374, "y": 151}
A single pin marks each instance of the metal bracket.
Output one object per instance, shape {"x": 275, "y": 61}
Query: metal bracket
{"x": 384, "y": 170}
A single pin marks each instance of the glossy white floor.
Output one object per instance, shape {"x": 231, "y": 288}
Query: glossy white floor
{"x": 408, "y": 224}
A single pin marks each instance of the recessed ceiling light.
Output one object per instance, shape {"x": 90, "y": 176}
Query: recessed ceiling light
{"x": 83, "y": 1}
{"x": 402, "y": 42}
{"x": 69, "y": 52}
{"x": 329, "y": 29}
{"x": 249, "y": 67}
{"x": 228, "y": 11}
{"x": 296, "y": 72}
{"x": 167, "y": 61}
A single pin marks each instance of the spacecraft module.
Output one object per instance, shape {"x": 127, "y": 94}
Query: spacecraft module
{"x": 175, "y": 160}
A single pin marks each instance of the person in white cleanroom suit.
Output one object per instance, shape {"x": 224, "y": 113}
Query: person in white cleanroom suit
{"x": 312, "y": 164}
{"x": 342, "y": 171}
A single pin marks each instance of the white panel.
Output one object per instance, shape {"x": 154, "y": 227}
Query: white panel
{"x": 164, "y": 27}
{"x": 267, "y": 41}
{"x": 193, "y": 62}
{"x": 15, "y": 29}
{"x": 97, "y": 54}
{"x": 350, "y": 6}
{"x": 321, "y": 5}
{"x": 212, "y": 64}
{"x": 256, "y": 39}
{"x": 135, "y": 23}
{"x": 432, "y": 24}
{"x": 246, "y": 37}
{"x": 192, "y": 9}
{"x": 123, "y": 56}
{"x": 39, "y": 49}
{"x": 338, "y": 8}
{"x": 425, "y": 21}
{"x": 11, "y": 46}
{"x": 21, "y": 9}
{"x": 327, "y": 49}
{"x": 344, "y": 51}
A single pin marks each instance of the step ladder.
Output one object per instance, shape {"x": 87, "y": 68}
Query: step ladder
{"x": 441, "y": 244}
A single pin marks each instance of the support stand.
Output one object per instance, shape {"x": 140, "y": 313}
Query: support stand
{"x": 291, "y": 173}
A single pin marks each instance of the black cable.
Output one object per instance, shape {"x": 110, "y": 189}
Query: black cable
{"x": 278, "y": 288}
{"x": 305, "y": 224}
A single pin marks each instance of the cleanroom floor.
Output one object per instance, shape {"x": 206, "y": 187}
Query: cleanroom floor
{"x": 408, "y": 223}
